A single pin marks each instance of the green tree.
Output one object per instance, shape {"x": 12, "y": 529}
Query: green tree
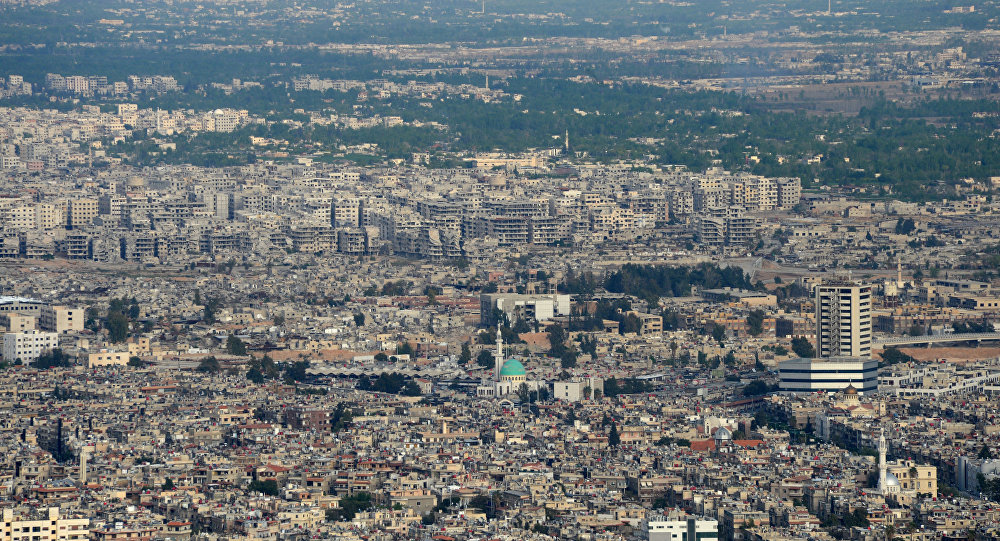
{"x": 118, "y": 327}
{"x": 613, "y": 438}
{"x": 466, "y": 354}
{"x": 756, "y": 388}
{"x": 485, "y": 359}
{"x": 235, "y": 346}
{"x": 755, "y": 322}
{"x": 719, "y": 334}
{"x": 803, "y": 347}
{"x": 349, "y": 507}
{"x": 341, "y": 418}
{"x": 296, "y": 371}
{"x": 568, "y": 358}
{"x": 54, "y": 358}
{"x": 168, "y": 484}
{"x": 359, "y": 319}
{"x": 557, "y": 340}
{"x": 209, "y": 365}
{"x": 267, "y": 488}
{"x": 255, "y": 375}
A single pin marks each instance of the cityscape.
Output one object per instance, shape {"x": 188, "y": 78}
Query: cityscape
{"x": 471, "y": 270}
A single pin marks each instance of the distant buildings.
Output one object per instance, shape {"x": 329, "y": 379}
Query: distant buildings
{"x": 513, "y": 306}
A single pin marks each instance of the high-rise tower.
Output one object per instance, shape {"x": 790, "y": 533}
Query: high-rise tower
{"x": 844, "y": 320}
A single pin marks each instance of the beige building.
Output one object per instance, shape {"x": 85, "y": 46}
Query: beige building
{"x": 15, "y": 322}
{"x": 51, "y": 528}
{"x": 61, "y": 319}
{"x": 107, "y": 358}
{"x": 81, "y": 213}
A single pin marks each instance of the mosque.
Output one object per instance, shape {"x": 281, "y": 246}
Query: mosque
{"x": 903, "y": 481}
{"x": 507, "y": 377}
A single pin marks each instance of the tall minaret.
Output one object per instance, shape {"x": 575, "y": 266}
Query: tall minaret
{"x": 498, "y": 356}
{"x": 881, "y": 462}
{"x": 83, "y": 466}
{"x": 566, "y": 142}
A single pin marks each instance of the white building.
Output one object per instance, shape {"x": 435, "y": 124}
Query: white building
{"x": 844, "y": 320}
{"x": 679, "y": 529}
{"x": 538, "y": 307}
{"x": 829, "y": 375}
{"x": 28, "y": 345}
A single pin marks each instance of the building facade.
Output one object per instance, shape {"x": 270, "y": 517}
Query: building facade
{"x": 844, "y": 320}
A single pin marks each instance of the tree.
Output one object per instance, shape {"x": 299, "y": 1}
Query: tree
{"x": 118, "y": 326}
{"x": 197, "y": 297}
{"x": 985, "y": 453}
{"x": 255, "y": 375}
{"x": 719, "y": 334}
{"x": 410, "y": 389}
{"x": 485, "y": 359}
{"x": 613, "y": 438}
{"x": 466, "y": 354}
{"x": 136, "y": 362}
{"x": 630, "y": 324}
{"x": 755, "y": 322}
{"x": 52, "y": 359}
{"x": 209, "y": 365}
{"x": 168, "y": 484}
{"x": 803, "y": 347}
{"x": 267, "y": 488}
{"x": 359, "y": 319}
{"x": 756, "y": 388}
{"x": 208, "y": 312}
{"x": 568, "y": 358}
{"x": 296, "y": 371}
{"x": 557, "y": 340}
{"x": 235, "y": 346}
{"x": 349, "y": 507}
{"x": 341, "y": 418}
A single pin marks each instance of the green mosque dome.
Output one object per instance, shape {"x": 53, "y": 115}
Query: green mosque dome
{"x": 512, "y": 368}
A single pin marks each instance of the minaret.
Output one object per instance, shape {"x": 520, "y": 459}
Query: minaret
{"x": 498, "y": 356}
{"x": 899, "y": 273}
{"x": 566, "y": 142}
{"x": 83, "y": 467}
{"x": 881, "y": 462}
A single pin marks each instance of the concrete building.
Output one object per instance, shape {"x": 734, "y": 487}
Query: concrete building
{"x": 828, "y": 374}
{"x": 679, "y": 529}
{"x": 539, "y": 307}
{"x": 61, "y": 319}
{"x": 844, "y": 320}
{"x": 28, "y": 345}
{"x": 52, "y": 527}
{"x": 107, "y": 358}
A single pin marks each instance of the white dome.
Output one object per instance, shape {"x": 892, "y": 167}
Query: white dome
{"x": 891, "y": 480}
{"x": 723, "y": 433}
